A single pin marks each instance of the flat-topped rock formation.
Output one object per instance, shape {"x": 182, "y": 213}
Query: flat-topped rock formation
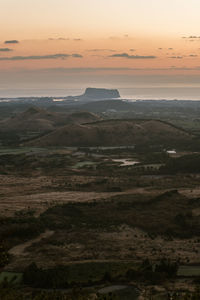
{"x": 95, "y": 93}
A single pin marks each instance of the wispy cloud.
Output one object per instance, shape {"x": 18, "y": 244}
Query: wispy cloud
{"x": 11, "y": 42}
{"x": 5, "y": 50}
{"x": 114, "y": 38}
{"x": 77, "y": 55}
{"x": 58, "y": 39}
{"x": 125, "y": 36}
{"x": 126, "y": 55}
{"x": 191, "y": 37}
{"x": 101, "y": 50}
{"x": 38, "y": 57}
{"x": 114, "y": 70}
{"x": 176, "y": 57}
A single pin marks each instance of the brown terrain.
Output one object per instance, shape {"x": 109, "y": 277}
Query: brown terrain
{"x": 114, "y": 133}
{"x": 41, "y": 120}
{"x": 67, "y": 207}
{"x": 123, "y": 243}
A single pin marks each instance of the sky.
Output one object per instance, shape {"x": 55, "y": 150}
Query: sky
{"x": 113, "y": 43}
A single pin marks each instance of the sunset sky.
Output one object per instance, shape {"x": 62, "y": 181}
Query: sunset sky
{"x": 71, "y": 43}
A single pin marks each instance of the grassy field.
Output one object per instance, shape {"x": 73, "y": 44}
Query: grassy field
{"x": 20, "y": 150}
{"x": 11, "y": 277}
{"x": 164, "y": 214}
{"x": 86, "y": 272}
{"x": 189, "y": 271}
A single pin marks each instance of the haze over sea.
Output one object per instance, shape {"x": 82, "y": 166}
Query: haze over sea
{"x": 141, "y": 93}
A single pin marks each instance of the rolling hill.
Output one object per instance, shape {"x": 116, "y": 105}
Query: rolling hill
{"x": 115, "y": 133}
{"x": 37, "y": 119}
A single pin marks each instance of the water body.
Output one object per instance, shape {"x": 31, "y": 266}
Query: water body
{"x": 112, "y": 288}
{"x": 126, "y": 162}
{"x": 29, "y": 92}
{"x": 134, "y": 93}
{"x": 161, "y": 93}
{"x": 122, "y": 292}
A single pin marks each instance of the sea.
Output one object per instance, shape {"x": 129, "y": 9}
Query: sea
{"x": 131, "y": 93}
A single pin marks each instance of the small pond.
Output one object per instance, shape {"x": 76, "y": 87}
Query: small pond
{"x": 126, "y": 162}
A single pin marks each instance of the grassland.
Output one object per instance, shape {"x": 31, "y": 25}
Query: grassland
{"x": 77, "y": 213}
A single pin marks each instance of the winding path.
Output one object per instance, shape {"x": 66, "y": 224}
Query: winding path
{"x": 20, "y": 250}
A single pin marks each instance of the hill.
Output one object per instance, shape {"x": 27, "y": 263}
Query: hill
{"x": 105, "y": 105}
{"x": 81, "y": 117}
{"x": 116, "y": 133}
{"x": 37, "y": 119}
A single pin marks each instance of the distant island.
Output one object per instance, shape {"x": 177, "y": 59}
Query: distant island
{"x": 92, "y": 94}
{"x": 100, "y": 93}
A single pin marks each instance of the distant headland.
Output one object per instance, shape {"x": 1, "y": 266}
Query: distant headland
{"x": 100, "y": 93}
{"x": 92, "y": 94}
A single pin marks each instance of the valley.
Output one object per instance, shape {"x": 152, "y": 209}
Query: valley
{"x": 101, "y": 203}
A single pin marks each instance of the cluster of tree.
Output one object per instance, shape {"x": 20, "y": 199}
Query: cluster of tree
{"x": 9, "y": 139}
{"x": 18, "y": 229}
{"x": 4, "y": 256}
{"x": 154, "y": 274}
{"x": 57, "y": 278}
{"x": 183, "y": 164}
{"x": 155, "y": 157}
{"x": 10, "y": 293}
{"x": 167, "y": 267}
{"x": 49, "y": 278}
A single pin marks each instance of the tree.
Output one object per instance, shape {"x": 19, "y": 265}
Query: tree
{"x": 4, "y": 256}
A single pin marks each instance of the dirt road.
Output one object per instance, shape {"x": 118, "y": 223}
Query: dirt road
{"x": 20, "y": 250}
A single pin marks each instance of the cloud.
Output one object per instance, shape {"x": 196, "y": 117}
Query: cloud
{"x": 5, "y": 49}
{"x": 78, "y": 40}
{"x": 38, "y": 57}
{"x": 114, "y": 70}
{"x": 170, "y": 48}
{"x": 77, "y": 55}
{"x": 99, "y": 50}
{"x": 125, "y": 36}
{"x": 58, "y": 39}
{"x": 98, "y": 55}
{"x": 176, "y": 57}
{"x": 126, "y": 55}
{"x": 113, "y": 38}
{"x": 194, "y": 37}
{"x": 11, "y": 42}
{"x": 193, "y": 55}
{"x": 132, "y": 50}
{"x": 191, "y": 37}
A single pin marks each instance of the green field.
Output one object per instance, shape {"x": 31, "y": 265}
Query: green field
{"x": 189, "y": 271}
{"x": 83, "y": 164}
{"x": 11, "y": 277}
{"x": 20, "y": 150}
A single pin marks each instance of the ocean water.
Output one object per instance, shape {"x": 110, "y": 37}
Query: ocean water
{"x": 142, "y": 93}
{"x": 160, "y": 93}
{"x": 14, "y": 93}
